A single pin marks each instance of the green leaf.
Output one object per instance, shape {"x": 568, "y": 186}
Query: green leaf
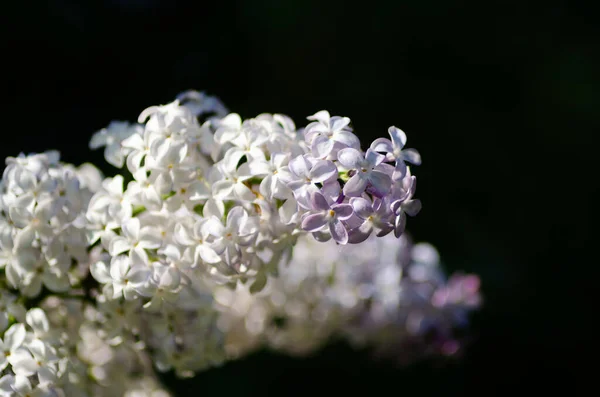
{"x": 259, "y": 283}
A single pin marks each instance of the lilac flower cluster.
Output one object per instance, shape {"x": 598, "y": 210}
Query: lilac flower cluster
{"x": 347, "y": 193}
{"x": 386, "y": 294}
{"x": 219, "y": 235}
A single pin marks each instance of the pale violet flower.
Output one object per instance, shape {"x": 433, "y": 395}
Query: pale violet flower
{"x": 368, "y": 172}
{"x": 405, "y": 204}
{"x": 395, "y": 151}
{"x": 306, "y": 172}
{"x": 373, "y": 215}
{"x": 325, "y": 216}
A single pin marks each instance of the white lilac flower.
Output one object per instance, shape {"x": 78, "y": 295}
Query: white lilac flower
{"x": 163, "y": 285}
{"x": 240, "y": 230}
{"x": 111, "y": 138}
{"x": 42, "y": 235}
{"x": 205, "y": 253}
{"x": 121, "y": 278}
{"x": 11, "y": 344}
{"x": 275, "y": 172}
{"x": 326, "y": 135}
{"x": 136, "y": 240}
{"x": 197, "y": 240}
{"x": 228, "y": 181}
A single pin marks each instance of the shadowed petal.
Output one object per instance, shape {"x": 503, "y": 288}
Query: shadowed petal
{"x": 338, "y": 231}
{"x": 412, "y": 207}
{"x": 381, "y": 182}
{"x": 319, "y": 202}
{"x": 361, "y": 233}
{"x": 362, "y": 207}
{"x": 343, "y": 211}
{"x": 355, "y": 186}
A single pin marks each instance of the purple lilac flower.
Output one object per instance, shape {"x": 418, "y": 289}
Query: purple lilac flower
{"x": 374, "y": 215}
{"x": 324, "y": 215}
{"x": 404, "y": 204}
{"x": 395, "y": 151}
{"x": 368, "y": 170}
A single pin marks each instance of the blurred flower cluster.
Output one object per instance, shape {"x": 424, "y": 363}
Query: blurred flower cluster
{"x": 382, "y": 294}
{"x": 219, "y": 236}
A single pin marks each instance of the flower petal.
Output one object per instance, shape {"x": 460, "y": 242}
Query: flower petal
{"x": 314, "y": 222}
{"x": 343, "y": 211}
{"x": 14, "y": 336}
{"x": 382, "y": 145}
{"x": 361, "y": 233}
{"x": 380, "y": 182}
{"x": 338, "y": 231}
{"x": 299, "y": 166}
{"x": 412, "y": 207}
{"x": 119, "y": 267}
{"x": 362, "y": 207}
{"x": 322, "y": 171}
{"x": 118, "y": 245}
{"x": 37, "y": 320}
{"x": 101, "y": 272}
{"x": 207, "y": 254}
{"x": 321, "y": 146}
{"x": 350, "y": 158}
{"x": 355, "y": 185}
{"x": 318, "y": 202}
{"x": 398, "y": 137}
{"x": 412, "y": 156}
{"x": 222, "y": 189}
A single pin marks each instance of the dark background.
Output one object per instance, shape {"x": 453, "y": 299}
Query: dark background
{"x": 500, "y": 98}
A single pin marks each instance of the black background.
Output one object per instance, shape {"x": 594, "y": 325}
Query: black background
{"x": 500, "y": 98}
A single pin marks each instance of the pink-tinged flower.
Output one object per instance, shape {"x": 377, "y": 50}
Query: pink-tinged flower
{"x": 325, "y": 216}
{"x": 461, "y": 290}
{"x": 368, "y": 171}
